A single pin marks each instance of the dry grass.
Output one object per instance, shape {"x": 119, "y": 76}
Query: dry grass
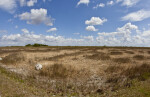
{"x": 140, "y": 72}
{"x": 13, "y": 59}
{"x": 122, "y": 60}
{"x": 139, "y": 57}
{"x": 116, "y": 53}
{"x": 129, "y": 52}
{"x": 77, "y": 71}
{"x": 99, "y": 56}
{"x": 57, "y": 71}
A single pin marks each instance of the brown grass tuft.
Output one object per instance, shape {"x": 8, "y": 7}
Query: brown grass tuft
{"x": 99, "y": 56}
{"x": 139, "y": 57}
{"x": 122, "y": 60}
{"x": 116, "y": 53}
{"x": 129, "y": 52}
{"x": 140, "y": 72}
{"x": 57, "y": 71}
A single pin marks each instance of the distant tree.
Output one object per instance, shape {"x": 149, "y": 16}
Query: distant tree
{"x": 36, "y": 45}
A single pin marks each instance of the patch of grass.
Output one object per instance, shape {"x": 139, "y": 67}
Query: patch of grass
{"x": 122, "y": 60}
{"x": 57, "y": 71}
{"x": 116, "y": 53}
{"x": 129, "y": 52}
{"x": 13, "y": 59}
{"x": 139, "y": 57}
{"x": 99, "y": 56}
{"x": 148, "y": 52}
{"x": 140, "y": 72}
{"x": 112, "y": 69}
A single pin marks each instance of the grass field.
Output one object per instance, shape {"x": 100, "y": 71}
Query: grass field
{"x": 75, "y": 72}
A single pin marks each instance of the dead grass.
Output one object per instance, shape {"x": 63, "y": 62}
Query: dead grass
{"x": 13, "y": 59}
{"x": 116, "y": 53}
{"x": 129, "y": 52}
{"x": 99, "y": 56}
{"x": 140, "y": 72}
{"x": 139, "y": 57}
{"x": 57, "y": 71}
{"x": 122, "y": 60}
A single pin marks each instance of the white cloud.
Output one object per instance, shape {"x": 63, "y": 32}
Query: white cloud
{"x": 26, "y": 38}
{"x": 137, "y": 16}
{"x": 128, "y": 35}
{"x": 83, "y": 2}
{"x": 25, "y": 30}
{"x": 37, "y": 16}
{"x": 52, "y": 30}
{"x": 99, "y": 5}
{"x": 110, "y": 2}
{"x": 8, "y": 5}
{"x": 11, "y": 5}
{"x": 22, "y": 2}
{"x": 130, "y": 3}
{"x": 91, "y": 28}
{"x": 31, "y": 2}
{"x": 95, "y": 21}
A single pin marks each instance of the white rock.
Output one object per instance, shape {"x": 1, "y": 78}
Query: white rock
{"x": 1, "y": 59}
{"x": 38, "y": 66}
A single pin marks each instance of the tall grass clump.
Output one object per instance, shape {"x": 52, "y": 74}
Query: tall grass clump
{"x": 57, "y": 71}
{"x": 141, "y": 72}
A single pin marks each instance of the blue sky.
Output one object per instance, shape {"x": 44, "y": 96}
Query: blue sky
{"x": 75, "y": 22}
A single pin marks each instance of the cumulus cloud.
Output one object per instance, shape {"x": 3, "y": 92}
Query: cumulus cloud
{"x": 99, "y": 5}
{"x": 52, "y": 30}
{"x": 128, "y": 35}
{"x": 137, "y": 16}
{"x": 83, "y": 2}
{"x": 91, "y": 28}
{"x": 26, "y": 38}
{"x": 95, "y": 21}
{"x": 31, "y": 2}
{"x": 110, "y": 2}
{"x": 8, "y": 5}
{"x": 11, "y": 5}
{"x": 37, "y": 16}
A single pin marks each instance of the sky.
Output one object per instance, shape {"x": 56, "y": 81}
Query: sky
{"x": 75, "y": 22}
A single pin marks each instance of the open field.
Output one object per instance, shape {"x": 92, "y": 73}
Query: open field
{"x": 75, "y": 72}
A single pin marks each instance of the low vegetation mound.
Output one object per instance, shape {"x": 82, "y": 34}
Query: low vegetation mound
{"x": 35, "y": 45}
